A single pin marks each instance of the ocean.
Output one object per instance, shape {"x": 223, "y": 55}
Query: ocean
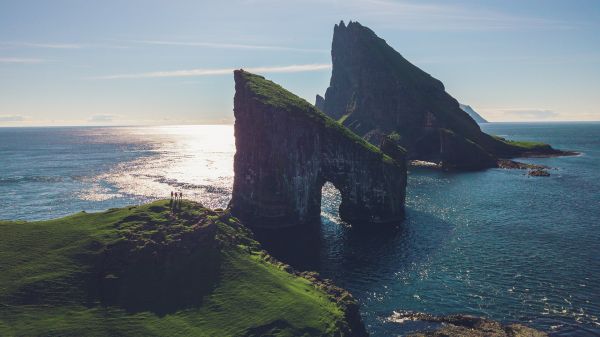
{"x": 494, "y": 243}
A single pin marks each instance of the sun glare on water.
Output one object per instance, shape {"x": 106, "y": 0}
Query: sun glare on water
{"x": 195, "y": 160}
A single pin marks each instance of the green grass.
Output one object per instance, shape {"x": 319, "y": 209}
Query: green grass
{"x": 50, "y": 272}
{"x": 523, "y": 144}
{"x": 270, "y": 93}
{"x": 343, "y": 118}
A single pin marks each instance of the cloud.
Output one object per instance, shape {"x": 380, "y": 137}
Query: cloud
{"x": 20, "y": 60}
{"x": 418, "y": 16}
{"x": 36, "y": 45}
{"x": 428, "y": 16}
{"x": 12, "y": 118}
{"x": 102, "y": 118}
{"x": 41, "y": 45}
{"x": 220, "y": 71}
{"x": 529, "y": 113}
{"x": 229, "y": 46}
{"x": 522, "y": 114}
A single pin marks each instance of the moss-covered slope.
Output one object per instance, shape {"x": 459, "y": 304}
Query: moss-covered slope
{"x": 156, "y": 270}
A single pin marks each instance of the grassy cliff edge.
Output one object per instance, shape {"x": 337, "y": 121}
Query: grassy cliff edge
{"x": 158, "y": 269}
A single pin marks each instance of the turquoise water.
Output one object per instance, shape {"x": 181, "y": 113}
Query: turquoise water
{"x": 495, "y": 243}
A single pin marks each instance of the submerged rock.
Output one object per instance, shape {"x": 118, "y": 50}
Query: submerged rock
{"x": 465, "y": 326}
{"x": 539, "y": 173}
{"x": 516, "y": 165}
{"x": 286, "y": 150}
{"x": 375, "y": 91}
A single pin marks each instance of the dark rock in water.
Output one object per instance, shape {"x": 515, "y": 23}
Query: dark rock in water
{"x": 375, "y": 91}
{"x": 539, "y": 173}
{"x": 517, "y": 165}
{"x": 286, "y": 150}
{"x": 476, "y": 117}
{"x": 465, "y": 326}
{"x": 462, "y": 153}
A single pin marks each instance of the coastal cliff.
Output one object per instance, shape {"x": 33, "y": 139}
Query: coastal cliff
{"x": 286, "y": 150}
{"x": 161, "y": 269}
{"x": 476, "y": 116}
{"x": 375, "y": 92}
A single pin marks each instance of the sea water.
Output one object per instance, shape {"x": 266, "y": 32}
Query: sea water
{"x": 494, "y": 243}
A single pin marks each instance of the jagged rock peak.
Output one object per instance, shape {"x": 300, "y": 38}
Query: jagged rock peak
{"x": 319, "y": 102}
{"x": 375, "y": 91}
{"x": 286, "y": 150}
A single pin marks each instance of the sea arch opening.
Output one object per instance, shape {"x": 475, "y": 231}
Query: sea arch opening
{"x": 331, "y": 200}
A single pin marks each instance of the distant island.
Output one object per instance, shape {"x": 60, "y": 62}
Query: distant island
{"x": 476, "y": 117}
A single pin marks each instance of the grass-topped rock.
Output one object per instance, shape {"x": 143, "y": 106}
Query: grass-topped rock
{"x": 286, "y": 150}
{"x": 159, "y": 269}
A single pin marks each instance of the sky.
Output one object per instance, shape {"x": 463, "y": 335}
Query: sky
{"x": 155, "y": 62}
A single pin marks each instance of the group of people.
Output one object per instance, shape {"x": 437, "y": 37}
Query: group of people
{"x": 176, "y": 195}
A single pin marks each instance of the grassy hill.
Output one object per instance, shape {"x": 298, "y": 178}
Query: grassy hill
{"x": 157, "y": 270}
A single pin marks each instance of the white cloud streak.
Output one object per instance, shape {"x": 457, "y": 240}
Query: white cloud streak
{"x": 427, "y": 16}
{"x": 297, "y": 68}
{"x": 20, "y": 60}
{"x": 228, "y": 46}
{"x": 524, "y": 114}
{"x": 102, "y": 118}
{"x": 12, "y": 118}
{"x": 41, "y": 45}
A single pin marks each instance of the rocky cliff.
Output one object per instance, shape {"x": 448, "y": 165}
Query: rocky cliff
{"x": 286, "y": 150}
{"x": 374, "y": 91}
{"x": 476, "y": 117}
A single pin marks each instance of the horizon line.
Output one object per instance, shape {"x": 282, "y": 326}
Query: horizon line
{"x": 232, "y": 123}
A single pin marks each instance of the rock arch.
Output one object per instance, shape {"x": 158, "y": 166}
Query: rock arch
{"x": 286, "y": 150}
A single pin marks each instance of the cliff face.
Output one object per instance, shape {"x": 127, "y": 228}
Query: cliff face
{"x": 476, "y": 117}
{"x": 374, "y": 91}
{"x": 287, "y": 150}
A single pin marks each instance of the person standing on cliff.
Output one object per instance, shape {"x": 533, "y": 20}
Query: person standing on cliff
{"x": 171, "y": 195}
{"x": 180, "y": 195}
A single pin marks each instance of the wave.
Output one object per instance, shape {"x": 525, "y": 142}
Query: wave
{"x": 29, "y": 179}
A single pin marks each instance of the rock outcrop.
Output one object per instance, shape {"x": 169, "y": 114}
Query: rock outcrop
{"x": 374, "y": 91}
{"x": 286, "y": 150}
{"x": 476, "y": 116}
{"x": 465, "y": 326}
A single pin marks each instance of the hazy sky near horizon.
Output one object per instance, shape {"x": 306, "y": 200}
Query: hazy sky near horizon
{"x": 72, "y": 62}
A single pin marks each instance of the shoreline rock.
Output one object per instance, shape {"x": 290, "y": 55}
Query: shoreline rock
{"x": 538, "y": 173}
{"x": 464, "y": 326}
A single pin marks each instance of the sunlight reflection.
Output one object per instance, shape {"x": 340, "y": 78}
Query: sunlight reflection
{"x": 196, "y": 160}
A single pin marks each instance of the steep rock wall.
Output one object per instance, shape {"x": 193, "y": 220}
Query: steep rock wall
{"x": 375, "y": 91}
{"x": 286, "y": 150}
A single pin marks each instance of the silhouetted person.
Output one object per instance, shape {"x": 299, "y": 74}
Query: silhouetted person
{"x": 171, "y": 195}
{"x": 180, "y": 195}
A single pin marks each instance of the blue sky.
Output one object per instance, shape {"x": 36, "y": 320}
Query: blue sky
{"x": 169, "y": 62}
